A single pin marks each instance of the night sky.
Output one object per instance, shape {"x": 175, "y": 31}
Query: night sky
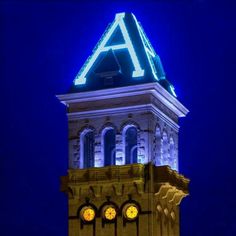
{"x": 43, "y": 44}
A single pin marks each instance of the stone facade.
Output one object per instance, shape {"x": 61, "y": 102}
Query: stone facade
{"x": 157, "y": 141}
{"x": 152, "y": 184}
{"x": 157, "y": 191}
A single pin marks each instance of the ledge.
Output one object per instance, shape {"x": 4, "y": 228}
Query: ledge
{"x": 162, "y": 181}
{"x": 147, "y": 88}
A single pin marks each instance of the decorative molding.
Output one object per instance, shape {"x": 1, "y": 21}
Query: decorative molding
{"x": 147, "y": 88}
{"x": 108, "y": 125}
{"x": 86, "y": 128}
{"x": 129, "y": 123}
{"x": 124, "y": 110}
{"x": 169, "y": 186}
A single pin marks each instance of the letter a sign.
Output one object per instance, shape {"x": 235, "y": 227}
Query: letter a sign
{"x": 127, "y": 45}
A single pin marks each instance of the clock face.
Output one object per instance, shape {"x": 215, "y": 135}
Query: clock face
{"x": 131, "y": 212}
{"x": 110, "y": 213}
{"x": 88, "y": 214}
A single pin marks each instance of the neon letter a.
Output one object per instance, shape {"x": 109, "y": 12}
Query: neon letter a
{"x": 119, "y": 22}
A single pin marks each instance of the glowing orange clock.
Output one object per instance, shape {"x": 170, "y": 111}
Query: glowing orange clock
{"x": 88, "y": 213}
{"x": 110, "y": 213}
{"x": 131, "y": 211}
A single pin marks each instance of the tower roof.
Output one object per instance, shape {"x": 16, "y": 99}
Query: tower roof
{"x": 123, "y": 56}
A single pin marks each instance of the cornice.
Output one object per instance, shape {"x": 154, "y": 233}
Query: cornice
{"x": 124, "y": 110}
{"x": 148, "y": 88}
{"x": 167, "y": 183}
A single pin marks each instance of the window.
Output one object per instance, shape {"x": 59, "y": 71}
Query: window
{"x": 109, "y": 212}
{"x": 87, "y": 149}
{"x": 131, "y": 145}
{"x": 87, "y": 214}
{"x": 109, "y": 140}
{"x": 131, "y": 211}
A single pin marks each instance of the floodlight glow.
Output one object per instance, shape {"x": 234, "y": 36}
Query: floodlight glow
{"x": 138, "y": 71}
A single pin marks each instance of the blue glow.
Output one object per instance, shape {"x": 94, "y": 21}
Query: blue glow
{"x": 138, "y": 71}
{"x": 148, "y": 48}
{"x": 173, "y": 90}
{"x": 150, "y": 52}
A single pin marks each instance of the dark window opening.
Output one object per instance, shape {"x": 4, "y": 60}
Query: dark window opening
{"x": 131, "y": 145}
{"x": 109, "y": 147}
{"x": 89, "y": 150}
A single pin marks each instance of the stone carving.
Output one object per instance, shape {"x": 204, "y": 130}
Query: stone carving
{"x": 165, "y": 148}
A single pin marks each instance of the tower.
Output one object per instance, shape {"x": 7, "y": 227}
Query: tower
{"x": 123, "y": 140}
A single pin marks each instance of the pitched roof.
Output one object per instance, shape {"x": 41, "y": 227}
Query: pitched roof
{"x": 123, "y": 56}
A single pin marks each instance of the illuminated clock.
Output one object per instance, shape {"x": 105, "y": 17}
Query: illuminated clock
{"x": 109, "y": 213}
{"x": 131, "y": 211}
{"x": 87, "y": 213}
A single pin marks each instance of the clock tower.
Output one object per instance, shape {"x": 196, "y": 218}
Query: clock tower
{"x": 123, "y": 116}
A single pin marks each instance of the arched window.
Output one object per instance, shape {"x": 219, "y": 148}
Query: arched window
{"x": 131, "y": 145}
{"x": 109, "y": 145}
{"x": 87, "y": 149}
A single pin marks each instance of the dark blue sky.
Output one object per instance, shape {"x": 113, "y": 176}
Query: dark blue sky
{"x": 44, "y": 44}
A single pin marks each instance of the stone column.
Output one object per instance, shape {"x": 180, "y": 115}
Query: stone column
{"x": 120, "y": 156}
{"x": 98, "y": 158}
{"x": 141, "y": 147}
{"x": 74, "y": 154}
